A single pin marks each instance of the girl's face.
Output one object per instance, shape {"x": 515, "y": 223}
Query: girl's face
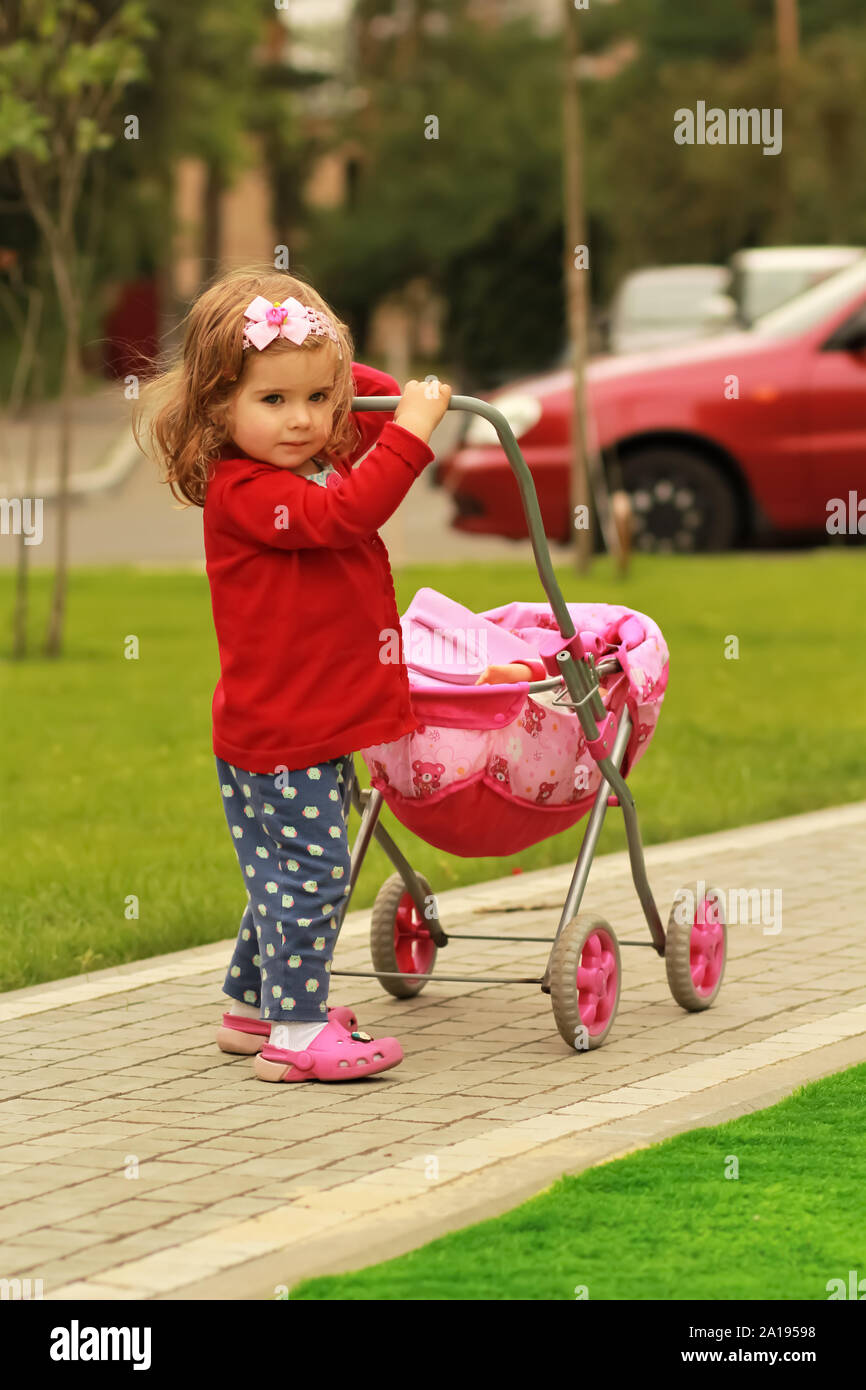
{"x": 283, "y": 409}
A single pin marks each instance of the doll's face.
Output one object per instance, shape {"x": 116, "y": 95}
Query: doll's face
{"x": 283, "y": 409}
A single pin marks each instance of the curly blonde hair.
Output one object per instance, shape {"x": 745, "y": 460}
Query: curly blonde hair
{"x": 179, "y": 418}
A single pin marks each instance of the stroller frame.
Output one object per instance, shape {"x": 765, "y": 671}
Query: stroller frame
{"x": 607, "y": 736}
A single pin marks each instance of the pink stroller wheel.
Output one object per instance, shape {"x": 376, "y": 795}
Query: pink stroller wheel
{"x": 585, "y": 979}
{"x": 597, "y": 980}
{"x": 696, "y": 946}
{"x": 400, "y": 941}
{"x": 412, "y": 942}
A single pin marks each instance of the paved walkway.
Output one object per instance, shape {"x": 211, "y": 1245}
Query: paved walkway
{"x": 137, "y": 1161}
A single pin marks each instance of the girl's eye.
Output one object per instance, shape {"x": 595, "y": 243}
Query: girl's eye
{"x": 275, "y": 396}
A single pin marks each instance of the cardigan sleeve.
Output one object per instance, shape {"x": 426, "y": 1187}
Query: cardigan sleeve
{"x": 275, "y": 508}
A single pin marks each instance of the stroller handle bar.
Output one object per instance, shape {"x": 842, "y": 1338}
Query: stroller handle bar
{"x": 608, "y": 667}
{"x": 528, "y": 495}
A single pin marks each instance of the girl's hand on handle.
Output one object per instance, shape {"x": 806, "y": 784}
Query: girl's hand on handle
{"x": 421, "y": 407}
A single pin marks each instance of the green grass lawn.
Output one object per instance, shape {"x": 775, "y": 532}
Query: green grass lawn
{"x": 667, "y": 1223}
{"x": 109, "y": 785}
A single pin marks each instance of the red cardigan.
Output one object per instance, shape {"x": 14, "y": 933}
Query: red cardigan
{"x": 299, "y": 607}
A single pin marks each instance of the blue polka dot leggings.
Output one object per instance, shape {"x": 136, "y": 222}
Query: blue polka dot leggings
{"x": 291, "y": 838}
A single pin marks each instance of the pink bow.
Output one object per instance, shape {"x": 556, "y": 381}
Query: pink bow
{"x": 291, "y": 319}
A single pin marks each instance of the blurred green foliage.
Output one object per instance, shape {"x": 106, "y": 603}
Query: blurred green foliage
{"x": 459, "y": 184}
{"x": 198, "y": 86}
{"x": 476, "y": 211}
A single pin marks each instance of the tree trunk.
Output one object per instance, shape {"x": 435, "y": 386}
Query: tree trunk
{"x": 27, "y": 369}
{"x": 588, "y": 478}
{"x": 71, "y": 310}
{"x": 575, "y": 281}
{"x": 788, "y": 46}
{"x": 211, "y": 244}
{"x": 170, "y": 309}
{"x": 787, "y": 29}
{"x": 22, "y": 572}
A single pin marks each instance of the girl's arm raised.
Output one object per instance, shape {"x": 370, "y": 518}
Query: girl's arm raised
{"x": 276, "y": 508}
{"x": 369, "y": 381}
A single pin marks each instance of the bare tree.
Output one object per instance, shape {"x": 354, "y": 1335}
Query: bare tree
{"x": 588, "y": 481}
{"x": 62, "y": 71}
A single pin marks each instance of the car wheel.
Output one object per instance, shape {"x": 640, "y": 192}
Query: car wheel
{"x": 680, "y": 501}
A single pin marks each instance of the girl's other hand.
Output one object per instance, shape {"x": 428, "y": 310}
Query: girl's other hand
{"x": 421, "y": 406}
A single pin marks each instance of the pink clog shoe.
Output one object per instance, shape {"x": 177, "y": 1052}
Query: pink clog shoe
{"x": 335, "y": 1055}
{"x": 247, "y": 1036}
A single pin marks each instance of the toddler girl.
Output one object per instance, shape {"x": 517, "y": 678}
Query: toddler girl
{"x": 301, "y": 589}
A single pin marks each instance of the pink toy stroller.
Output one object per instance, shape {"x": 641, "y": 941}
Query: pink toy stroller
{"x": 493, "y": 769}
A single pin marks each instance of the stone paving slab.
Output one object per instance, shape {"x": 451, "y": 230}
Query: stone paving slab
{"x": 137, "y": 1161}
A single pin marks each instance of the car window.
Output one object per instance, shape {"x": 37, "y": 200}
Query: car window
{"x": 770, "y": 289}
{"x": 663, "y": 299}
{"x": 809, "y": 308}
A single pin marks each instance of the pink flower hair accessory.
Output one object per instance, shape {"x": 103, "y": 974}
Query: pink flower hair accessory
{"x": 290, "y": 319}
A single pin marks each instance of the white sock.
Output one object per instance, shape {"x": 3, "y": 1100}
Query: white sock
{"x": 243, "y": 1010}
{"x": 294, "y": 1037}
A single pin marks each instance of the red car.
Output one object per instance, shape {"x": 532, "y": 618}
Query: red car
{"x": 717, "y": 440}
